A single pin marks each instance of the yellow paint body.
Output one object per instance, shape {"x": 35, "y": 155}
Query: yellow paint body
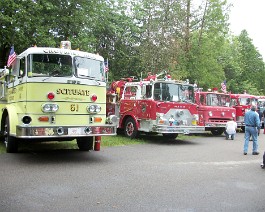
{"x": 23, "y": 94}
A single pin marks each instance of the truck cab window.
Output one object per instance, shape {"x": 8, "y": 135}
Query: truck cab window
{"x": 51, "y": 65}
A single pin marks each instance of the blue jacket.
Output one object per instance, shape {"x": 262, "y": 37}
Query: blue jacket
{"x": 252, "y": 118}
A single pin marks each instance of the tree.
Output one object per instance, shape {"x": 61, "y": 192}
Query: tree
{"x": 243, "y": 65}
{"x": 45, "y": 23}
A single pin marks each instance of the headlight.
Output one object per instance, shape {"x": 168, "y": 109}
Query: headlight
{"x": 233, "y": 115}
{"x": 112, "y": 119}
{"x": 49, "y": 108}
{"x": 93, "y": 109}
{"x": 210, "y": 113}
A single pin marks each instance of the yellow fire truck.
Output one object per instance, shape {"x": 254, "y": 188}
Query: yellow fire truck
{"x": 54, "y": 94}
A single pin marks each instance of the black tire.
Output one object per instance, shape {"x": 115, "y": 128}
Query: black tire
{"x": 130, "y": 129}
{"x": 217, "y": 131}
{"x": 170, "y": 136}
{"x": 85, "y": 144}
{"x": 10, "y": 141}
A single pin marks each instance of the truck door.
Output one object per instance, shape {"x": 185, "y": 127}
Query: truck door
{"x": 144, "y": 102}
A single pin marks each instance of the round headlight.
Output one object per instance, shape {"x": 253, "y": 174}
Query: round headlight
{"x": 49, "y": 108}
{"x": 93, "y": 109}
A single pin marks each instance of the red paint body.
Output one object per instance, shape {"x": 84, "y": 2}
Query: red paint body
{"x": 242, "y": 103}
{"x": 214, "y": 110}
{"x": 154, "y": 106}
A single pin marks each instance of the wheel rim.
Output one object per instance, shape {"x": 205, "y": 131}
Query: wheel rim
{"x": 129, "y": 128}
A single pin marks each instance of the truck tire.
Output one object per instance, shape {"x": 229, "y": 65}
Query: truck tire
{"x": 85, "y": 144}
{"x": 130, "y": 129}
{"x": 217, "y": 131}
{"x": 170, "y": 136}
{"x": 10, "y": 141}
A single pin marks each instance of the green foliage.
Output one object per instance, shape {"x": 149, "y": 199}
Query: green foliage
{"x": 189, "y": 40}
{"x": 243, "y": 66}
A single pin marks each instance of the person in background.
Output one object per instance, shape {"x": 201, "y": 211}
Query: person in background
{"x": 260, "y": 114}
{"x": 252, "y": 128}
{"x": 230, "y": 129}
{"x": 260, "y": 117}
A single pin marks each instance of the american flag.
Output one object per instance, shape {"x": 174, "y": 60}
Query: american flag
{"x": 106, "y": 63}
{"x": 12, "y": 56}
{"x": 223, "y": 86}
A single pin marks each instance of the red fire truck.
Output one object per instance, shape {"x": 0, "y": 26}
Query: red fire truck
{"x": 242, "y": 103}
{"x": 214, "y": 110}
{"x": 154, "y": 106}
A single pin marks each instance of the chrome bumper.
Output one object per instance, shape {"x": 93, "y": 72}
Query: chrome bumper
{"x": 64, "y": 131}
{"x": 179, "y": 129}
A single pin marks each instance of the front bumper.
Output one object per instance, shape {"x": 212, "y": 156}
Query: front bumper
{"x": 215, "y": 125}
{"x": 64, "y": 131}
{"x": 178, "y": 129}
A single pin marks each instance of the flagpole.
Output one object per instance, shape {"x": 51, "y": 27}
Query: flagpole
{"x": 107, "y": 71}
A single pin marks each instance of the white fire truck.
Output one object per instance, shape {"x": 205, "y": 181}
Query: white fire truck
{"x": 54, "y": 94}
{"x": 154, "y": 105}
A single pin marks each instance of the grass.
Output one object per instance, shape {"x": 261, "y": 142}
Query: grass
{"x": 106, "y": 141}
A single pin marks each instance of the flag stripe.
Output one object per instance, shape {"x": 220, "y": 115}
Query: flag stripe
{"x": 223, "y": 86}
{"x": 12, "y": 56}
{"x": 106, "y": 66}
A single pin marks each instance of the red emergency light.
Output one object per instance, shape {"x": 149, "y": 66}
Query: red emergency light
{"x": 50, "y": 95}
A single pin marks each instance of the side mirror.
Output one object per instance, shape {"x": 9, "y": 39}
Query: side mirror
{"x": 4, "y": 72}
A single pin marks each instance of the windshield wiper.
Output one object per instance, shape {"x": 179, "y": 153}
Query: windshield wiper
{"x": 90, "y": 78}
{"x": 54, "y": 75}
{"x": 85, "y": 76}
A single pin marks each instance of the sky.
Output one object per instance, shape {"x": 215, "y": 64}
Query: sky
{"x": 249, "y": 15}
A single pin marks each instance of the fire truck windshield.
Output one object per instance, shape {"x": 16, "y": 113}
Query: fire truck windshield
{"x": 89, "y": 68}
{"x": 173, "y": 92}
{"x": 246, "y": 101}
{"x": 50, "y": 65}
{"x": 214, "y": 99}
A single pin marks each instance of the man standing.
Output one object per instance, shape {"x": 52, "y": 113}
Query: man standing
{"x": 252, "y": 128}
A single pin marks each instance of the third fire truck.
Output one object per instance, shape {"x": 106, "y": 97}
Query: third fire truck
{"x": 214, "y": 110}
{"x": 242, "y": 103}
{"x": 154, "y": 105}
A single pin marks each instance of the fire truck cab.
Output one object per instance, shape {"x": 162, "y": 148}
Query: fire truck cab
{"x": 159, "y": 106}
{"x": 214, "y": 110}
{"x": 54, "y": 94}
{"x": 242, "y": 103}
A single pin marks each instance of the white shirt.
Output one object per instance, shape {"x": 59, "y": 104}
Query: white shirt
{"x": 231, "y": 127}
